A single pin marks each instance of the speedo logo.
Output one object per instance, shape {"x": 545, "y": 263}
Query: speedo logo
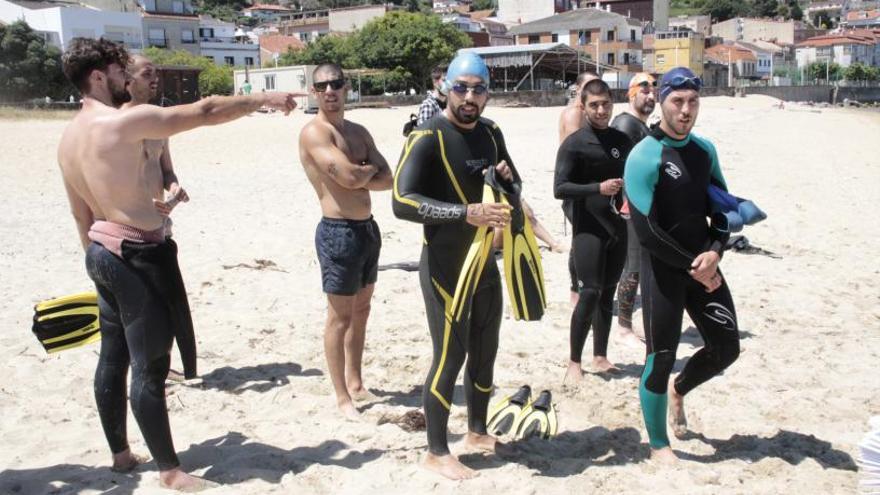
{"x": 672, "y": 170}
{"x": 721, "y": 315}
{"x": 431, "y": 211}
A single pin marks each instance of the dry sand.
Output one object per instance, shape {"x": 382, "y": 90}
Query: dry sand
{"x": 785, "y": 418}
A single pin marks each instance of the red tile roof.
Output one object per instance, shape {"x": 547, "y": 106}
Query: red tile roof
{"x": 855, "y": 37}
{"x": 860, "y": 15}
{"x": 277, "y": 43}
{"x": 268, "y": 6}
{"x": 719, "y": 53}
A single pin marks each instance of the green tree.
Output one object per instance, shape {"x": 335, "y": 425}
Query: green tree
{"x": 336, "y": 49}
{"x": 722, "y": 10}
{"x": 29, "y": 67}
{"x": 213, "y": 79}
{"x": 819, "y": 70}
{"x": 764, "y": 8}
{"x": 413, "y": 42}
{"x": 485, "y": 4}
{"x": 861, "y": 72}
{"x": 795, "y": 10}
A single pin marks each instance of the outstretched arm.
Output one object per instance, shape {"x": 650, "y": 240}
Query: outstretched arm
{"x": 152, "y": 122}
{"x": 331, "y": 161}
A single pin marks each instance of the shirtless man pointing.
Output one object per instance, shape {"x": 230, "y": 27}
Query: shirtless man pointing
{"x": 111, "y": 190}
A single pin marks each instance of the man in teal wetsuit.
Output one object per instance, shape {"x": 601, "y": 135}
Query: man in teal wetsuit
{"x": 666, "y": 179}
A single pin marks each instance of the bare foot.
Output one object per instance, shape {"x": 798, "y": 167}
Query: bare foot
{"x": 349, "y": 411}
{"x": 601, "y": 364}
{"x": 125, "y": 461}
{"x": 449, "y": 466}
{"x": 628, "y": 337}
{"x": 664, "y": 456}
{"x": 361, "y": 394}
{"x": 485, "y": 443}
{"x": 677, "y": 420}
{"x": 176, "y": 479}
{"x": 175, "y": 376}
{"x": 574, "y": 375}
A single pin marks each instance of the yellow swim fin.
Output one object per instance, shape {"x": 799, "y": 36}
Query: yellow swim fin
{"x": 538, "y": 419}
{"x": 67, "y": 322}
{"x": 504, "y": 414}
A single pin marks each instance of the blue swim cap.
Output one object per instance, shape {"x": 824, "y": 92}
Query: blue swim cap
{"x": 679, "y": 78}
{"x": 467, "y": 64}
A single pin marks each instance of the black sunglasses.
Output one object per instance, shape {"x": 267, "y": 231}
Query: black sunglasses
{"x": 334, "y": 84}
{"x": 462, "y": 89}
{"x": 645, "y": 84}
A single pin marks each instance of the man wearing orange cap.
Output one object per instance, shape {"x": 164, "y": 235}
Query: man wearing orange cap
{"x": 633, "y": 123}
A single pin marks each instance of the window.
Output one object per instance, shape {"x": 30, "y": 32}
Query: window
{"x": 626, "y": 59}
{"x": 187, "y": 37}
{"x": 305, "y": 37}
{"x": 632, "y": 34}
{"x": 209, "y": 58}
{"x": 610, "y": 59}
{"x": 206, "y": 33}
{"x": 661, "y": 59}
{"x": 534, "y": 39}
{"x": 554, "y": 38}
{"x": 177, "y": 7}
{"x": 157, "y": 37}
{"x": 229, "y": 60}
{"x": 584, "y": 37}
{"x": 610, "y": 36}
{"x": 150, "y": 5}
{"x": 249, "y": 61}
{"x": 269, "y": 82}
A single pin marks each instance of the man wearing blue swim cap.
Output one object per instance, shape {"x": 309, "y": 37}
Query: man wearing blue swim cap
{"x": 440, "y": 183}
{"x": 667, "y": 179}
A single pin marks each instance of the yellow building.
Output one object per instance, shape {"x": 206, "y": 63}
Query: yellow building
{"x": 676, "y": 49}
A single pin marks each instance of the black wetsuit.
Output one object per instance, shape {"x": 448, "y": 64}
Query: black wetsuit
{"x": 142, "y": 305}
{"x": 584, "y": 160}
{"x": 440, "y": 173}
{"x": 667, "y": 184}
{"x": 633, "y": 127}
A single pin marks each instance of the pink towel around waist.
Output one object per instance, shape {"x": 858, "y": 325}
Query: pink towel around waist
{"x": 110, "y": 235}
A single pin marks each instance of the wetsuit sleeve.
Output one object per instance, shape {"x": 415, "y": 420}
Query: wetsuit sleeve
{"x": 718, "y": 239}
{"x": 567, "y": 159}
{"x": 640, "y": 177}
{"x": 411, "y": 193}
{"x": 628, "y": 127}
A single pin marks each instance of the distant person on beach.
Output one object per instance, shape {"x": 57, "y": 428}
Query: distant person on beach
{"x": 435, "y": 102}
{"x": 439, "y": 183}
{"x": 589, "y": 173}
{"x": 342, "y": 163}
{"x": 111, "y": 189}
{"x": 667, "y": 179}
{"x": 634, "y": 123}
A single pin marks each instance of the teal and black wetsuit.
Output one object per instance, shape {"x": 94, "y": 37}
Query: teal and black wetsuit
{"x": 440, "y": 173}
{"x": 667, "y": 183}
{"x": 584, "y": 160}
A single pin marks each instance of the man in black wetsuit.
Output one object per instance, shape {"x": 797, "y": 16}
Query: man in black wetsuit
{"x": 633, "y": 122}
{"x": 589, "y": 171}
{"x": 667, "y": 179}
{"x": 439, "y": 183}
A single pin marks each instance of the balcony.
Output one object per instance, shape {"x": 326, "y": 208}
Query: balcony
{"x": 157, "y": 42}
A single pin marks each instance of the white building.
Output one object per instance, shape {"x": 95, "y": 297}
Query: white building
{"x": 844, "y": 49}
{"x": 224, "y": 45}
{"x": 59, "y": 22}
{"x": 522, "y": 11}
{"x": 764, "y": 66}
{"x": 294, "y": 78}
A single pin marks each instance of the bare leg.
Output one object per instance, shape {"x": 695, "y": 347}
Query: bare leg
{"x": 176, "y": 479}
{"x": 448, "y": 466}
{"x": 339, "y": 319}
{"x": 677, "y": 419}
{"x": 541, "y": 232}
{"x": 355, "y": 339}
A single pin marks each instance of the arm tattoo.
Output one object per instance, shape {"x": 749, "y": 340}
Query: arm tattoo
{"x": 332, "y": 170}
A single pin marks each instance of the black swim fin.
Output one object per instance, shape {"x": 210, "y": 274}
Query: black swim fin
{"x": 67, "y": 322}
{"x": 505, "y": 412}
{"x": 538, "y": 419}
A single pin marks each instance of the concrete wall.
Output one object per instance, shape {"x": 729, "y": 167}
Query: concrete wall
{"x": 524, "y": 10}
{"x": 238, "y": 52}
{"x": 174, "y": 32}
{"x": 795, "y": 93}
{"x": 352, "y": 19}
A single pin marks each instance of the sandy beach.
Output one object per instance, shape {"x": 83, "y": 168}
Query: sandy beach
{"x": 785, "y": 418}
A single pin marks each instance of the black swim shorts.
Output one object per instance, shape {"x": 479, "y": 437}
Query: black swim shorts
{"x": 348, "y": 251}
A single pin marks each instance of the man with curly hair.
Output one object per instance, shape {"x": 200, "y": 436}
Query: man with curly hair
{"x": 141, "y": 298}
